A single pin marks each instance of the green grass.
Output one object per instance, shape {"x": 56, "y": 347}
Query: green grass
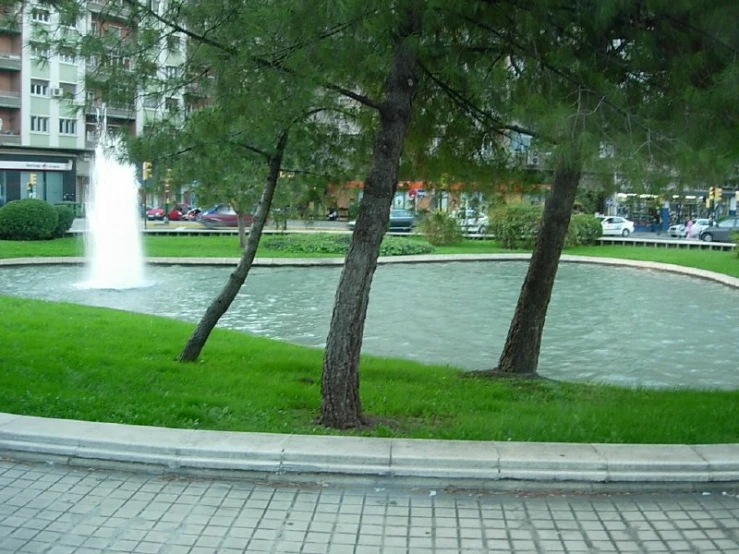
{"x": 227, "y": 246}
{"x": 62, "y": 360}
{"x": 711, "y": 260}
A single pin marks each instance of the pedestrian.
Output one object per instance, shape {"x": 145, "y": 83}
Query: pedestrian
{"x": 688, "y": 228}
{"x": 657, "y": 222}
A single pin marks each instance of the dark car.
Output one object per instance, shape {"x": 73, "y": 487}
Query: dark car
{"x": 719, "y": 231}
{"x": 401, "y": 221}
{"x": 223, "y": 215}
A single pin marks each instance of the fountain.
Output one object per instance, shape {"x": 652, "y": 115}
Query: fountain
{"x": 113, "y": 246}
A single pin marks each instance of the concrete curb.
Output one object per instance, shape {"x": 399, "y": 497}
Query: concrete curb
{"x": 274, "y": 457}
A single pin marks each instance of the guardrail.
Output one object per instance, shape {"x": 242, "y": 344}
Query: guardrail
{"x": 667, "y": 243}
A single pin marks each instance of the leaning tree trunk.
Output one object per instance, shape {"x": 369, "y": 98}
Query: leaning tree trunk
{"x": 520, "y": 355}
{"x": 340, "y": 404}
{"x": 218, "y": 307}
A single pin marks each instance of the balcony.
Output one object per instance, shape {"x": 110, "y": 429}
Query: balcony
{"x": 10, "y": 99}
{"x": 10, "y": 61}
{"x": 9, "y": 24}
{"x": 10, "y": 137}
{"x": 116, "y": 112}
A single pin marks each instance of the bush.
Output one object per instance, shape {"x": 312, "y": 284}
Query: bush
{"x": 441, "y": 229}
{"x": 28, "y": 219}
{"x": 328, "y": 243}
{"x": 515, "y": 226}
{"x": 584, "y": 230}
{"x": 734, "y": 237}
{"x": 66, "y": 218}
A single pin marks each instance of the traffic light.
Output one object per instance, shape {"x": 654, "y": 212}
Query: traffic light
{"x": 711, "y": 193}
{"x": 718, "y": 193}
{"x": 32, "y": 179}
{"x": 146, "y": 170}
{"x": 167, "y": 183}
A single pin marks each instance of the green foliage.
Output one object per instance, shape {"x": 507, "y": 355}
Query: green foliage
{"x": 28, "y": 219}
{"x": 734, "y": 236}
{"x": 584, "y": 230}
{"x": 353, "y": 210}
{"x": 328, "y": 243}
{"x": 441, "y": 229}
{"x": 65, "y": 220}
{"x": 515, "y": 225}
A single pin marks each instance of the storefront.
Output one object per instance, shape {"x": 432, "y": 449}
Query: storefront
{"x": 47, "y": 177}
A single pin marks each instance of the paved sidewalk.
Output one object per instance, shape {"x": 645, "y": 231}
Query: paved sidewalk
{"x": 53, "y": 509}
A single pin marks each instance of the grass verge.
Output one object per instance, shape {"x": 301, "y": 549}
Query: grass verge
{"x": 68, "y": 361}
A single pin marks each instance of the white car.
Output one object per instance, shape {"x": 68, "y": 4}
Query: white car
{"x": 472, "y": 221}
{"x": 614, "y": 225}
{"x": 698, "y": 226}
{"x": 678, "y": 231}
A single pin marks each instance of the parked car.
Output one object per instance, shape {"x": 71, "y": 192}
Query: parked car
{"x": 155, "y": 213}
{"x": 472, "y": 221}
{"x": 719, "y": 231}
{"x": 400, "y": 221}
{"x": 223, "y": 215}
{"x": 678, "y": 230}
{"x": 698, "y": 226}
{"x": 614, "y": 225}
{"x": 175, "y": 212}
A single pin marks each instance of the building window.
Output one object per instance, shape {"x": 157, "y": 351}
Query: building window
{"x": 39, "y": 88}
{"x": 171, "y": 71}
{"x": 68, "y": 57}
{"x": 114, "y": 31}
{"x": 67, "y": 126}
{"x": 40, "y": 16}
{"x": 173, "y": 43}
{"x": 171, "y": 105}
{"x": 39, "y": 52}
{"x": 151, "y": 101}
{"x": 39, "y": 124}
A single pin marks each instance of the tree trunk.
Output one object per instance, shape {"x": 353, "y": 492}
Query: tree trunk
{"x": 242, "y": 229}
{"x": 218, "y": 307}
{"x": 520, "y": 355}
{"x": 340, "y": 404}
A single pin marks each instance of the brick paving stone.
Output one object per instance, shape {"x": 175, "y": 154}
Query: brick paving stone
{"x": 63, "y": 510}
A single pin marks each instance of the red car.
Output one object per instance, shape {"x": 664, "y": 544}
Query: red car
{"x": 223, "y": 215}
{"x": 175, "y": 214}
{"x": 155, "y": 213}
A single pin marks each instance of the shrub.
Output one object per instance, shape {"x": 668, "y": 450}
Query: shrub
{"x": 441, "y": 229}
{"x": 66, "y": 218}
{"x": 584, "y": 230}
{"x": 329, "y": 243}
{"x": 515, "y": 225}
{"x": 28, "y": 219}
{"x": 734, "y": 237}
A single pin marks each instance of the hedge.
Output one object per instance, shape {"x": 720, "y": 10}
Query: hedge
{"x": 28, "y": 219}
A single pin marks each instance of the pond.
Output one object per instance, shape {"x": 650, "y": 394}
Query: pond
{"x": 611, "y": 324}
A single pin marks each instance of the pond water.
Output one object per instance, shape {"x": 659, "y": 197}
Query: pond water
{"x": 612, "y": 324}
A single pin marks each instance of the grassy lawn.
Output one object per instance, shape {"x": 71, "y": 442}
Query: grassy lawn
{"x": 62, "y": 360}
{"x": 711, "y": 260}
{"x": 227, "y": 246}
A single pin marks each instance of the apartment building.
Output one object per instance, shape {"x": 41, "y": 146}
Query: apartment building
{"x": 48, "y": 117}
